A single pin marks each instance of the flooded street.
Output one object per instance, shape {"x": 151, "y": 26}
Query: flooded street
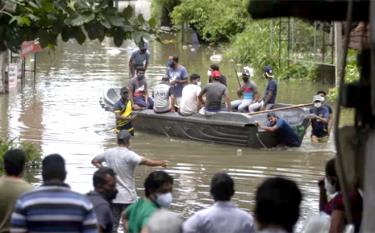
{"x": 61, "y": 114}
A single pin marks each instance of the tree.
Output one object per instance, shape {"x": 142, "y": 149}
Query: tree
{"x": 23, "y": 20}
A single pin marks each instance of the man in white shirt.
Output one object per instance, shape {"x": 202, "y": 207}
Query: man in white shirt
{"x": 223, "y": 216}
{"x": 163, "y": 97}
{"x": 189, "y": 99}
{"x": 123, "y": 161}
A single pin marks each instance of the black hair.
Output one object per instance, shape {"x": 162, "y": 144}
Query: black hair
{"x": 330, "y": 168}
{"x": 123, "y": 137}
{"x": 214, "y": 67}
{"x": 194, "y": 77}
{"x": 222, "y": 187}
{"x": 124, "y": 89}
{"x": 321, "y": 92}
{"x": 273, "y": 114}
{"x": 53, "y": 168}
{"x": 98, "y": 179}
{"x": 277, "y": 203}
{"x": 155, "y": 180}
{"x": 14, "y": 162}
{"x": 175, "y": 59}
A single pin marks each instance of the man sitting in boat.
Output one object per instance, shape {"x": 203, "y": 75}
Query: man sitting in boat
{"x": 216, "y": 67}
{"x": 163, "y": 97}
{"x": 319, "y": 116}
{"x": 214, "y": 92}
{"x": 270, "y": 93}
{"x": 138, "y": 91}
{"x": 178, "y": 77}
{"x": 123, "y": 112}
{"x": 139, "y": 58}
{"x": 249, "y": 93}
{"x": 189, "y": 100}
{"x": 284, "y": 133}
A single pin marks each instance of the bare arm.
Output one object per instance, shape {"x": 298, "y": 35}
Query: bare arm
{"x": 171, "y": 101}
{"x": 200, "y": 98}
{"x": 267, "y": 128}
{"x": 227, "y": 101}
{"x": 131, "y": 68}
{"x": 322, "y": 195}
{"x": 97, "y": 163}
{"x": 120, "y": 117}
{"x": 337, "y": 221}
{"x": 153, "y": 163}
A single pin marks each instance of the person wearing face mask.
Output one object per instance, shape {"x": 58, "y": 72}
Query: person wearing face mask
{"x": 223, "y": 215}
{"x": 284, "y": 133}
{"x": 215, "y": 67}
{"x": 334, "y": 208}
{"x": 319, "y": 120}
{"x": 139, "y": 58}
{"x": 178, "y": 77}
{"x": 123, "y": 112}
{"x": 249, "y": 93}
{"x": 189, "y": 100}
{"x": 158, "y": 194}
{"x": 105, "y": 191}
{"x": 330, "y": 111}
{"x": 123, "y": 161}
{"x": 138, "y": 94}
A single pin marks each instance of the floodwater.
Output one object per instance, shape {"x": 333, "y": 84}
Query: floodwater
{"x": 60, "y": 113}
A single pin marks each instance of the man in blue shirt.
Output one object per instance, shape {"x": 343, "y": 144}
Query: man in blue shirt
{"x": 178, "y": 77}
{"x": 319, "y": 120}
{"x": 284, "y": 133}
{"x": 271, "y": 89}
{"x": 139, "y": 58}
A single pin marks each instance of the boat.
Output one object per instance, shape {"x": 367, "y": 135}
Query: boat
{"x": 231, "y": 128}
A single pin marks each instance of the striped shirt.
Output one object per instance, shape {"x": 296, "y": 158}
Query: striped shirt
{"x": 53, "y": 207}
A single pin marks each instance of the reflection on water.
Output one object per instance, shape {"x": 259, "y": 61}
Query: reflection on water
{"x": 62, "y": 115}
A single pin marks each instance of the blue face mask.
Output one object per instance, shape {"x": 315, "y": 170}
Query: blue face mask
{"x": 170, "y": 63}
{"x": 164, "y": 199}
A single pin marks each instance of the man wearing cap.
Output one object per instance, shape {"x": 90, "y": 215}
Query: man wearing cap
{"x": 284, "y": 133}
{"x": 163, "y": 97}
{"x": 123, "y": 112}
{"x": 139, "y": 58}
{"x": 271, "y": 89}
{"x": 319, "y": 116}
{"x": 123, "y": 161}
{"x": 215, "y": 67}
{"x": 178, "y": 77}
{"x": 249, "y": 93}
{"x": 214, "y": 92}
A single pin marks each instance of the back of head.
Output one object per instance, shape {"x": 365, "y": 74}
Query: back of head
{"x": 277, "y": 203}
{"x": 14, "y": 162}
{"x": 164, "y": 221}
{"x": 164, "y": 79}
{"x": 214, "y": 67}
{"x": 123, "y": 137}
{"x": 155, "y": 180}
{"x": 222, "y": 187}
{"x": 99, "y": 178}
{"x": 194, "y": 77}
{"x": 53, "y": 168}
{"x": 331, "y": 168}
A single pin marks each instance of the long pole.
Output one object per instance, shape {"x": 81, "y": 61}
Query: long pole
{"x": 281, "y": 109}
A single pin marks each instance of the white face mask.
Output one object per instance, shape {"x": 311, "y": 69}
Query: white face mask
{"x": 164, "y": 199}
{"x": 317, "y": 104}
{"x": 199, "y": 83}
{"x": 329, "y": 187}
{"x": 208, "y": 72}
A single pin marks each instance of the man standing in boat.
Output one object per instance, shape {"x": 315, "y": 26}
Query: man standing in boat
{"x": 139, "y": 91}
{"x": 319, "y": 116}
{"x": 214, "y": 92}
{"x": 249, "y": 93}
{"x": 139, "y": 58}
{"x": 123, "y": 112}
{"x": 178, "y": 77}
{"x": 271, "y": 90}
{"x": 284, "y": 133}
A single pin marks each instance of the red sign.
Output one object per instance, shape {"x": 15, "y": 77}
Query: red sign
{"x": 29, "y": 47}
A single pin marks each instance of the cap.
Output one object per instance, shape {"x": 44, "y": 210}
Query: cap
{"x": 268, "y": 71}
{"x": 143, "y": 44}
{"x": 123, "y": 135}
{"x": 318, "y": 98}
{"x": 247, "y": 71}
{"x": 215, "y": 74}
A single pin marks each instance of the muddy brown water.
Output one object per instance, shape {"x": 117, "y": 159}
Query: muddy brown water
{"x": 60, "y": 113}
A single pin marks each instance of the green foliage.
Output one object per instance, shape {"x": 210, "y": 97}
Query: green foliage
{"x": 214, "y": 20}
{"x": 161, "y": 10}
{"x": 33, "y": 158}
{"x": 351, "y": 73}
{"x": 23, "y": 20}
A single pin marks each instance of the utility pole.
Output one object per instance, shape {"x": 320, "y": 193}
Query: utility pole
{"x": 338, "y": 51}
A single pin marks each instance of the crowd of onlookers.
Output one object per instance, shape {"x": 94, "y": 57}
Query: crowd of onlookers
{"x": 54, "y": 207}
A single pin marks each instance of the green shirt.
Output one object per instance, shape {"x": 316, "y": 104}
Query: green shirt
{"x": 10, "y": 189}
{"x": 138, "y": 214}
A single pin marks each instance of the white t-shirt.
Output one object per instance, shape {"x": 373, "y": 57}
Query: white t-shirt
{"x": 189, "y": 99}
{"x": 123, "y": 161}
